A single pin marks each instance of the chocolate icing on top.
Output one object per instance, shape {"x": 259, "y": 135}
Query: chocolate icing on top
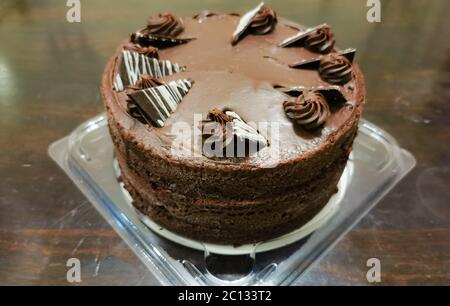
{"x": 165, "y": 24}
{"x": 335, "y": 69}
{"x": 310, "y": 110}
{"x": 240, "y": 78}
{"x": 320, "y": 41}
{"x": 204, "y": 15}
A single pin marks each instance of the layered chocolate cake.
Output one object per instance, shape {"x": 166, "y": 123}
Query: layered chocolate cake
{"x": 232, "y": 128}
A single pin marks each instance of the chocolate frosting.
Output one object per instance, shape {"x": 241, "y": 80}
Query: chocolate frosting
{"x": 335, "y": 69}
{"x": 239, "y": 78}
{"x": 203, "y": 15}
{"x": 148, "y": 51}
{"x": 165, "y": 24}
{"x": 264, "y": 22}
{"x": 218, "y": 116}
{"x": 320, "y": 41}
{"x": 146, "y": 81}
{"x": 310, "y": 110}
{"x": 215, "y": 131}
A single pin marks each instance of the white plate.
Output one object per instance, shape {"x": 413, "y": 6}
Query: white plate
{"x": 319, "y": 220}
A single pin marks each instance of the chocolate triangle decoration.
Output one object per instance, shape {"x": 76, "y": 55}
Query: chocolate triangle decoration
{"x": 158, "y": 103}
{"x": 232, "y": 137}
{"x": 244, "y": 22}
{"x": 158, "y": 41}
{"x": 300, "y": 36}
{"x": 315, "y": 62}
{"x": 133, "y": 65}
{"x": 332, "y": 94}
{"x": 245, "y": 132}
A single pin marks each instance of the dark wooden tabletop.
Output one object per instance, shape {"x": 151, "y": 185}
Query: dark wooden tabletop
{"x": 50, "y": 72}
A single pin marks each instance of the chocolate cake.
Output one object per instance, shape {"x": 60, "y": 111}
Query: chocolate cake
{"x": 232, "y": 129}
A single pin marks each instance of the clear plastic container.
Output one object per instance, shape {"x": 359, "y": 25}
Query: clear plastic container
{"x": 376, "y": 165}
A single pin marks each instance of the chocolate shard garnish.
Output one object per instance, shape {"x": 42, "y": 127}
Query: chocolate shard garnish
{"x": 314, "y": 63}
{"x": 244, "y": 22}
{"x": 334, "y": 68}
{"x": 332, "y": 94}
{"x": 133, "y": 65}
{"x": 225, "y": 134}
{"x": 137, "y": 113}
{"x": 318, "y": 39}
{"x": 261, "y": 20}
{"x": 245, "y": 132}
{"x": 157, "y": 40}
{"x": 158, "y": 103}
{"x": 298, "y": 38}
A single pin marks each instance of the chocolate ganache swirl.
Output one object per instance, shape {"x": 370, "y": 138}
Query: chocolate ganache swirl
{"x": 146, "y": 81}
{"x": 165, "y": 24}
{"x": 216, "y": 131}
{"x": 309, "y": 110}
{"x": 264, "y": 22}
{"x": 148, "y": 51}
{"x": 320, "y": 41}
{"x": 219, "y": 116}
{"x": 335, "y": 69}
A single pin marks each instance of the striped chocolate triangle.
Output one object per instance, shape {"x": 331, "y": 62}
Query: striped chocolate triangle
{"x": 240, "y": 139}
{"x": 315, "y": 62}
{"x": 332, "y": 93}
{"x": 133, "y": 65}
{"x": 244, "y": 22}
{"x": 245, "y": 132}
{"x": 300, "y": 36}
{"x": 158, "y": 103}
{"x": 158, "y": 41}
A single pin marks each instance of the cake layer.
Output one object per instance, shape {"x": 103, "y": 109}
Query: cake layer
{"x": 227, "y": 181}
{"x": 224, "y": 221}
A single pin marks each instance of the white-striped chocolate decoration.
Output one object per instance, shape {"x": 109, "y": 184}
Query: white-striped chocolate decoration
{"x": 158, "y": 103}
{"x": 300, "y": 35}
{"x": 243, "y": 131}
{"x": 244, "y": 22}
{"x": 133, "y": 65}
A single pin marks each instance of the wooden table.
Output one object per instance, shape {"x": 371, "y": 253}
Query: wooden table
{"x": 49, "y": 83}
